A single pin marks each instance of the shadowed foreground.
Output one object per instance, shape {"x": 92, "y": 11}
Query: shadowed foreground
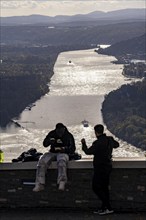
{"x": 65, "y": 214}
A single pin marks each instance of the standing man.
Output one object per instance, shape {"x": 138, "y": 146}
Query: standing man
{"x": 102, "y": 151}
{"x": 61, "y": 143}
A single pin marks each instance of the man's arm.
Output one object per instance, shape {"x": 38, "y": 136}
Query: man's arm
{"x": 48, "y": 140}
{"x": 89, "y": 151}
{"x": 70, "y": 149}
{"x": 113, "y": 143}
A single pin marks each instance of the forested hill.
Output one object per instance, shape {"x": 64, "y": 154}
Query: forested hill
{"x": 56, "y": 35}
{"x": 30, "y": 46}
{"x": 24, "y": 76}
{"x": 124, "y": 113}
{"x": 134, "y": 46}
{"x": 124, "y": 110}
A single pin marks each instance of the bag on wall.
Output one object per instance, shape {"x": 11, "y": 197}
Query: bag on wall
{"x": 75, "y": 156}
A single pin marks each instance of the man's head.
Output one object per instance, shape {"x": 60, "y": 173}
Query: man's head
{"x": 98, "y": 130}
{"x": 60, "y": 129}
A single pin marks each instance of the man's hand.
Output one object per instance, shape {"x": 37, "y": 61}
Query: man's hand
{"x": 52, "y": 140}
{"x": 84, "y": 146}
{"x": 60, "y": 149}
{"x": 83, "y": 141}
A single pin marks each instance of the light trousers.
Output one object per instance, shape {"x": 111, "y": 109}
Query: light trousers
{"x": 45, "y": 161}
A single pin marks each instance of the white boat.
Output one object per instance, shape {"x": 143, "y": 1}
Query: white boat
{"x": 85, "y": 123}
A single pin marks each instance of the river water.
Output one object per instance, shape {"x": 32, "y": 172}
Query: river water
{"x": 81, "y": 80}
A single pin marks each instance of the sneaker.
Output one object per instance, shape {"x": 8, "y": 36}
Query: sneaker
{"x": 97, "y": 211}
{"x": 38, "y": 188}
{"x": 106, "y": 212}
{"x": 61, "y": 186}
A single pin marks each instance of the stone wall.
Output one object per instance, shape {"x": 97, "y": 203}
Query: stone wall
{"x": 127, "y": 188}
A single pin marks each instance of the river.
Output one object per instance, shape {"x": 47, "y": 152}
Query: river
{"x": 81, "y": 80}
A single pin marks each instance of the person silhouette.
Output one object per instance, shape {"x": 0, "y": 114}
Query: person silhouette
{"x": 61, "y": 143}
{"x": 102, "y": 164}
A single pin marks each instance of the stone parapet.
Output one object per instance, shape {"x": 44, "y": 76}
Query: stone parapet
{"x": 127, "y": 185}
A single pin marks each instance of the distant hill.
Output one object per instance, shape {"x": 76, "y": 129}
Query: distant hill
{"x": 136, "y": 45}
{"x": 125, "y": 15}
{"x": 56, "y": 35}
{"x": 119, "y": 14}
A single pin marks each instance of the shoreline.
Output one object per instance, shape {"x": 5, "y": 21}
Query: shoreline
{"x": 33, "y": 137}
{"x": 16, "y": 110}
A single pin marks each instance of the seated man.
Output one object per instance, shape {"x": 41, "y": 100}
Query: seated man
{"x": 61, "y": 143}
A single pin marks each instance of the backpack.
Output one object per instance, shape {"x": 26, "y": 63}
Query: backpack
{"x": 75, "y": 156}
{"x": 30, "y": 155}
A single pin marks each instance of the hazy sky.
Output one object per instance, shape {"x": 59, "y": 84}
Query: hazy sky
{"x": 68, "y": 7}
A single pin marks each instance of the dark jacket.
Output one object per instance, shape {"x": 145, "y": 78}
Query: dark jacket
{"x": 30, "y": 155}
{"x": 102, "y": 150}
{"x": 66, "y": 142}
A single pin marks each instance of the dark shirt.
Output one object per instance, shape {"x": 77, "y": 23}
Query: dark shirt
{"x": 102, "y": 150}
{"x": 66, "y": 142}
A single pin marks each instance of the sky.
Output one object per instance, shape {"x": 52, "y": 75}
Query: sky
{"x": 62, "y": 7}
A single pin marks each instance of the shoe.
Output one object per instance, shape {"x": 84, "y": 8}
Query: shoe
{"x": 97, "y": 211}
{"x": 61, "y": 186}
{"x": 106, "y": 212}
{"x": 38, "y": 188}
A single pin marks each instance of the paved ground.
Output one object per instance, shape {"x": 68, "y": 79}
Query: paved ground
{"x": 47, "y": 214}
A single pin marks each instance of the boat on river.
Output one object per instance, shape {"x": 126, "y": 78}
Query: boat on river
{"x": 85, "y": 123}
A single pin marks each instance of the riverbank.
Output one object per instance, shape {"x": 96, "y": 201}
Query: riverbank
{"x": 25, "y": 81}
{"x": 124, "y": 113}
{"x": 25, "y": 74}
{"x": 77, "y": 91}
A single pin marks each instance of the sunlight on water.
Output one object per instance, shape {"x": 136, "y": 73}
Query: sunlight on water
{"x": 90, "y": 74}
{"x": 14, "y": 144}
{"x": 77, "y": 90}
